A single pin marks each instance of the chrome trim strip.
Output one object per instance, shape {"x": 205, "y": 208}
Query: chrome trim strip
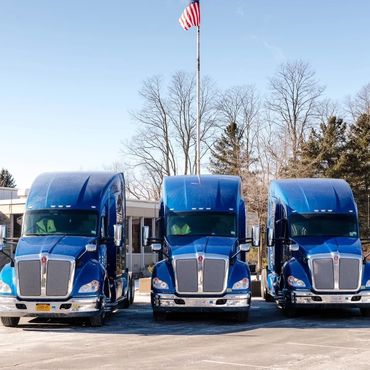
{"x": 81, "y": 306}
{"x": 337, "y": 256}
{"x": 231, "y": 300}
{"x": 306, "y": 297}
{"x": 201, "y": 271}
{"x": 43, "y": 272}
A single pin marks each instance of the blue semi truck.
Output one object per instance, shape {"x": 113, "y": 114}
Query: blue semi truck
{"x": 202, "y": 247}
{"x": 314, "y": 252}
{"x": 71, "y": 258}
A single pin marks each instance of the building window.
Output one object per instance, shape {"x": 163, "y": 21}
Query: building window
{"x": 136, "y": 234}
{"x": 148, "y": 222}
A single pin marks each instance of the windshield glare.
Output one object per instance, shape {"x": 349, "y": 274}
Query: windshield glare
{"x": 66, "y": 222}
{"x": 323, "y": 225}
{"x": 217, "y": 224}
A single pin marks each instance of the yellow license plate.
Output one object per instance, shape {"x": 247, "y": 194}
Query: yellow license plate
{"x": 43, "y": 307}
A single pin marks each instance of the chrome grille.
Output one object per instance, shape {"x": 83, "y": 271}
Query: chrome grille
{"x": 29, "y": 278}
{"x": 57, "y": 278}
{"x": 201, "y": 275}
{"x": 323, "y": 272}
{"x": 44, "y": 276}
{"x": 214, "y": 275}
{"x": 336, "y": 272}
{"x": 348, "y": 273}
{"x": 187, "y": 275}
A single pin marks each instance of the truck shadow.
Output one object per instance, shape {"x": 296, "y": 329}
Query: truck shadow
{"x": 137, "y": 320}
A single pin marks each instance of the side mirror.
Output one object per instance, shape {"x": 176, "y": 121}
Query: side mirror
{"x": 255, "y": 236}
{"x": 2, "y": 235}
{"x": 145, "y": 235}
{"x": 117, "y": 234}
{"x": 244, "y": 247}
{"x": 270, "y": 236}
{"x": 90, "y": 247}
{"x": 294, "y": 247}
{"x": 156, "y": 247}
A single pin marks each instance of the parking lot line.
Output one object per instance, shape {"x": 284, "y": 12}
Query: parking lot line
{"x": 326, "y": 346}
{"x": 236, "y": 364}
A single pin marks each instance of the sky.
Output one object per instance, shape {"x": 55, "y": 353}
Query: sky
{"x": 70, "y": 70}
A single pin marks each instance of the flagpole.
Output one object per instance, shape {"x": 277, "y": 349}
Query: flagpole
{"x": 198, "y": 103}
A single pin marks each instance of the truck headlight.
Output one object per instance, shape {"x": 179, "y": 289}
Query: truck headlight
{"x": 91, "y": 287}
{"x": 241, "y": 284}
{"x": 368, "y": 284}
{"x": 159, "y": 284}
{"x": 4, "y": 287}
{"x": 296, "y": 283}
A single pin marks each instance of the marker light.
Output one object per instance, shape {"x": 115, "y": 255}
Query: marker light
{"x": 241, "y": 284}
{"x": 4, "y": 288}
{"x": 159, "y": 284}
{"x": 91, "y": 287}
{"x": 296, "y": 283}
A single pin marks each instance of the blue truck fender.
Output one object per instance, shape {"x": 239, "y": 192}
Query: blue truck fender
{"x": 163, "y": 271}
{"x": 238, "y": 271}
{"x": 7, "y": 275}
{"x": 366, "y": 276}
{"x": 90, "y": 271}
{"x": 293, "y": 268}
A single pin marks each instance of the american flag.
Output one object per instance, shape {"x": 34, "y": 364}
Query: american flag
{"x": 191, "y": 15}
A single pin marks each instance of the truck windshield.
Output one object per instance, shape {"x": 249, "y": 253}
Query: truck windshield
{"x": 67, "y": 222}
{"x": 205, "y": 223}
{"x": 323, "y": 225}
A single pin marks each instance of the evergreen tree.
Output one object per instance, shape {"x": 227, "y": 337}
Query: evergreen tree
{"x": 227, "y": 154}
{"x": 6, "y": 179}
{"x": 320, "y": 155}
{"x": 355, "y": 166}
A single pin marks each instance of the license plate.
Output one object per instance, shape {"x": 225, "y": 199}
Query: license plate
{"x": 43, "y": 307}
{"x": 336, "y": 299}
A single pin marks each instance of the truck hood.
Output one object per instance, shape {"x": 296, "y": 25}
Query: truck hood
{"x": 71, "y": 246}
{"x": 205, "y": 244}
{"x": 318, "y": 245}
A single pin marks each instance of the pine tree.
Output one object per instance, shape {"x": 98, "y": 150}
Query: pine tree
{"x": 6, "y": 179}
{"x": 320, "y": 155}
{"x": 355, "y": 166}
{"x": 227, "y": 155}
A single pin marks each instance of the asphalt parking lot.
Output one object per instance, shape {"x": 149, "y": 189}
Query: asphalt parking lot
{"x": 132, "y": 340}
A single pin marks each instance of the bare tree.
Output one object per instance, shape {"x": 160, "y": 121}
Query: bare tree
{"x": 164, "y": 143}
{"x": 293, "y": 102}
{"x": 360, "y": 104}
{"x": 240, "y": 105}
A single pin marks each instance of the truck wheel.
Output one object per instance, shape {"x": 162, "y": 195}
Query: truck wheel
{"x": 10, "y": 322}
{"x": 264, "y": 293}
{"x": 241, "y": 316}
{"x": 128, "y": 300}
{"x": 159, "y": 316}
{"x": 365, "y": 312}
{"x": 98, "y": 321}
{"x": 132, "y": 290}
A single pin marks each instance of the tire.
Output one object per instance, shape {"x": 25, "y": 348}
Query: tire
{"x": 264, "y": 294}
{"x": 129, "y": 299}
{"x": 159, "y": 315}
{"x": 10, "y": 322}
{"x": 132, "y": 296}
{"x": 97, "y": 321}
{"x": 241, "y": 316}
{"x": 365, "y": 312}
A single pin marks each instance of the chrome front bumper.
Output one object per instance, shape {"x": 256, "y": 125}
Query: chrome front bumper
{"x": 229, "y": 302}
{"x": 75, "y": 307}
{"x": 349, "y": 299}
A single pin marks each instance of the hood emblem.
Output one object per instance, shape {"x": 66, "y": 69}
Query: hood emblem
{"x": 336, "y": 259}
